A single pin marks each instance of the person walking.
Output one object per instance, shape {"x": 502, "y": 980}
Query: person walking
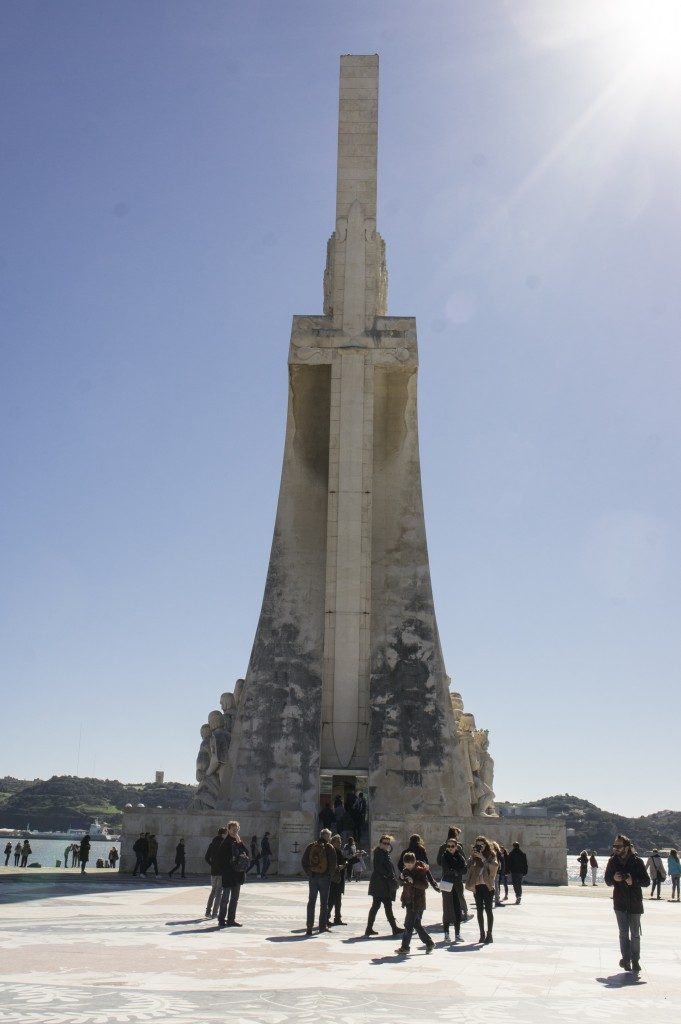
{"x": 417, "y": 847}
{"x": 113, "y": 857}
{"x": 516, "y": 862}
{"x": 211, "y": 859}
{"x": 593, "y": 864}
{"x": 319, "y": 864}
{"x": 255, "y": 856}
{"x": 139, "y": 848}
{"x": 8, "y": 853}
{"x": 674, "y": 872}
{"x": 503, "y": 873}
{"x": 232, "y": 860}
{"x": 152, "y": 854}
{"x": 453, "y": 864}
{"x": 266, "y": 856}
{"x": 26, "y": 852}
{"x": 337, "y": 884}
{"x": 656, "y": 870}
{"x": 383, "y": 886}
{"x": 17, "y": 855}
{"x": 583, "y": 865}
{"x": 180, "y": 860}
{"x": 415, "y": 878}
{"x": 84, "y": 852}
{"x": 482, "y": 870}
{"x": 626, "y": 873}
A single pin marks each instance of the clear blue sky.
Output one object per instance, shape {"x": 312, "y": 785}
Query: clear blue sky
{"x": 167, "y": 179}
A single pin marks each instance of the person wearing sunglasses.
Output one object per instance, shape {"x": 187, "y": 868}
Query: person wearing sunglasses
{"x": 454, "y": 865}
{"x": 627, "y": 874}
{"x": 383, "y": 886}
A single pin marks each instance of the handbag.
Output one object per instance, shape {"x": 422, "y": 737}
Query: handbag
{"x": 445, "y": 886}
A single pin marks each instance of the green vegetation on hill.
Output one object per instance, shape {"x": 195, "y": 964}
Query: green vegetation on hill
{"x": 594, "y": 829}
{"x": 66, "y": 801}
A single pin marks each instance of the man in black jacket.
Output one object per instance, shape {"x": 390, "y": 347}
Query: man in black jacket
{"x": 516, "y": 865}
{"x": 319, "y": 863}
{"x": 215, "y": 877}
{"x": 139, "y": 848}
{"x": 627, "y": 874}
{"x": 232, "y": 859}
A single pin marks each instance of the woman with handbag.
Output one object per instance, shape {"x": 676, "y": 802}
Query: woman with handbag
{"x": 383, "y": 886}
{"x": 453, "y": 868}
{"x": 482, "y": 870}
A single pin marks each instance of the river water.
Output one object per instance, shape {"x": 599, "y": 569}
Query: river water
{"x": 47, "y": 852}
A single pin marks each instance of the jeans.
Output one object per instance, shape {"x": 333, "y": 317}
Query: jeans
{"x": 630, "y": 934}
{"x": 230, "y": 894}
{"x": 388, "y": 907}
{"x": 318, "y": 885}
{"x": 451, "y": 911}
{"x": 484, "y": 901}
{"x": 656, "y": 883}
{"x": 412, "y": 922}
{"x": 214, "y": 895}
{"x": 675, "y": 885}
{"x": 266, "y": 859}
{"x": 517, "y": 881}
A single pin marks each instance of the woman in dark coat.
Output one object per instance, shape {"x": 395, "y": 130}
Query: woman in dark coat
{"x": 454, "y": 867}
{"x": 417, "y": 847}
{"x": 383, "y": 886}
{"x": 583, "y": 865}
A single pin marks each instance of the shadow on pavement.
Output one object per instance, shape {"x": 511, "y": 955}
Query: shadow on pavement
{"x": 624, "y": 980}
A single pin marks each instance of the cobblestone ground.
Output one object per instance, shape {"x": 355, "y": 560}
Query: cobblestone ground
{"x": 94, "y": 951}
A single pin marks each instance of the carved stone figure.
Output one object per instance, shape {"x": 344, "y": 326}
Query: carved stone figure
{"x": 485, "y": 804}
{"x": 207, "y": 794}
{"x": 203, "y": 757}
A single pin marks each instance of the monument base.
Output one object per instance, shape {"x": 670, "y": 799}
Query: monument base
{"x": 543, "y": 840}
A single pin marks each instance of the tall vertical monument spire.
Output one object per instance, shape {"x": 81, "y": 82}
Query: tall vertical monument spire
{"x": 346, "y": 682}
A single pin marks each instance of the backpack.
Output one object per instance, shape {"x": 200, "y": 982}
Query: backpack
{"x": 318, "y": 862}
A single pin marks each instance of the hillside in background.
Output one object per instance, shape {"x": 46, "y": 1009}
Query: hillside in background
{"x": 594, "y": 829}
{"x": 64, "y": 801}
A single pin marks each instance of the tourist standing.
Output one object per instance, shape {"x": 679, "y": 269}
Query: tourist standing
{"x": 8, "y": 853}
{"x": 26, "y": 852}
{"x": 152, "y": 853}
{"x": 17, "y": 855}
{"x": 482, "y": 870}
{"x": 337, "y": 883}
{"x": 656, "y": 870}
{"x": 503, "y": 872}
{"x": 453, "y": 832}
{"x": 327, "y": 819}
{"x": 626, "y": 872}
{"x": 180, "y": 860}
{"x": 516, "y": 863}
{"x": 674, "y": 871}
{"x": 453, "y": 864}
{"x": 75, "y": 854}
{"x": 583, "y": 865}
{"x": 417, "y": 847}
{"x": 266, "y": 855}
{"x": 319, "y": 863}
{"x": 113, "y": 857}
{"x": 415, "y": 878}
{"x": 593, "y": 864}
{"x": 232, "y": 859}
{"x": 211, "y": 858}
{"x": 359, "y": 813}
{"x": 139, "y": 848}
{"x": 383, "y": 886}
{"x": 84, "y": 852}
{"x": 255, "y": 856}
{"x": 67, "y": 851}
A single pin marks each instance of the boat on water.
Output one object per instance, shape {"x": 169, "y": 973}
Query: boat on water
{"x": 98, "y": 832}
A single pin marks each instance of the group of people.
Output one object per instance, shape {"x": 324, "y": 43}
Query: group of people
{"x": 324, "y": 863}
{"x": 22, "y": 851}
{"x": 345, "y": 817}
{"x": 79, "y": 853}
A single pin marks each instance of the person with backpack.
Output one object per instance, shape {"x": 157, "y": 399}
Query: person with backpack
{"x": 383, "y": 886}
{"x": 626, "y": 873}
{"x": 232, "y": 860}
{"x": 415, "y": 878}
{"x": 319, "y": 863}
{"x": 211, "y": 858}
{"x": 337, "y": 884}
{"x": 657, "y": 872}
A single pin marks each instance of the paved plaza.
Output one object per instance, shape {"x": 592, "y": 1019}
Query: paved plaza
{"x": 98, "y": 949}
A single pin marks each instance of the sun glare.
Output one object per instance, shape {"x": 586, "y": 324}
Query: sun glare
{"x": 652, "y": 35}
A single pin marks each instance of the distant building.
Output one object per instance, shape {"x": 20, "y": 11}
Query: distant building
{"x": 159, "y": 778}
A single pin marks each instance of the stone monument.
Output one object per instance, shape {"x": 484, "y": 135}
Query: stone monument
{"x": 346, "y": 687}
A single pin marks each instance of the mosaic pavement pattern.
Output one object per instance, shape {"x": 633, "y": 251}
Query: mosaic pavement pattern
{"x": 83, "y": 952}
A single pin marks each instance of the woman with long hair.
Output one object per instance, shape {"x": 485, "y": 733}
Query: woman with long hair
{"x": 674, "y": 872}
{"x": 383, "y": 886}
{"x": 583, "y": 865}
{"x": 482, "y": 871}
{"x": 417, "y": 847}
{"x": 453, "y": 865}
